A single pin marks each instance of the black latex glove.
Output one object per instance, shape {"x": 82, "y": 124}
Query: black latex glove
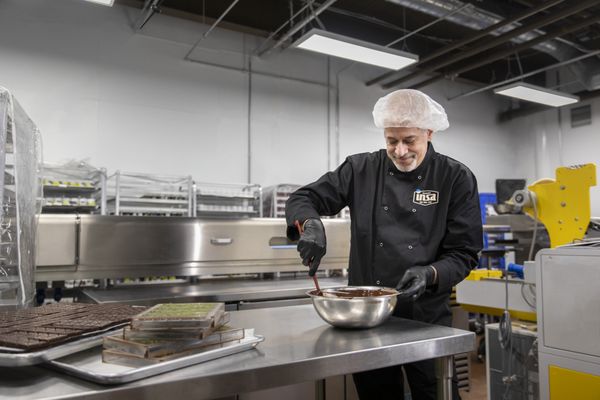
{"x": 414, "y": 282}
{"x": 312, "y": 244}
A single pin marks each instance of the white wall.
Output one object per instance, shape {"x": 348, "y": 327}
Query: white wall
{"x": 128, "y": 100}
{"x": 544, "y": 144}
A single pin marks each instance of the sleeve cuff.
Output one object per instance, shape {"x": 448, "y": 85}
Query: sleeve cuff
{"x": 291, "y": 231}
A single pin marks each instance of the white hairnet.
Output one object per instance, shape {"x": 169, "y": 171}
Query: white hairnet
{"x": 408, "y": 108}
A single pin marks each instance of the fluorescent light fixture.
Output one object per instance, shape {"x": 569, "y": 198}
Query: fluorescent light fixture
{"x": 353, "y": 49}
{"x": 103, "y": 2}
{"x": 537, "y": 94}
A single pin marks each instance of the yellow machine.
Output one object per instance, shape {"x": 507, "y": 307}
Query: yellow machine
{"x": 562, "y": 205}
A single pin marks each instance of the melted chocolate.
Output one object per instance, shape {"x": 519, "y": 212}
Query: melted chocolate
{"x": 348, "y": 293}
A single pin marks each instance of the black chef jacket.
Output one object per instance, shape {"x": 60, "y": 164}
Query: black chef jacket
{"x": 428, "y": 216}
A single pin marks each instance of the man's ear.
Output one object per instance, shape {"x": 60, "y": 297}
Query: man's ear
{"x": 429, "y": 135}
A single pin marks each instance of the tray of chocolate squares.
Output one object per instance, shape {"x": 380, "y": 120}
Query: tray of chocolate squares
{"x": 163, "y": 338}
{"x": 36, "y": 335}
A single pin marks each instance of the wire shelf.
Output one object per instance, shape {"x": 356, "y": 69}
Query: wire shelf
{"x": 220, "y": 200}
{"x": 149, "y": 194}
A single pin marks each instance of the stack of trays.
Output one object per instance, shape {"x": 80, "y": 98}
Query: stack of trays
{"x": 168, "y": 331}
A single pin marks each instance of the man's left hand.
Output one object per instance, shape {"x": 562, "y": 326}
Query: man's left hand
{"x": 414, "y": 282}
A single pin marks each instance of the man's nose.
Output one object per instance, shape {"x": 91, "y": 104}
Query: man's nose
{"x": 401, "y": 150}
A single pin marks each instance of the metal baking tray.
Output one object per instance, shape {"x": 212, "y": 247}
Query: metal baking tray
{"x": 88, "y": 365}
{"x": 11, "y": 357}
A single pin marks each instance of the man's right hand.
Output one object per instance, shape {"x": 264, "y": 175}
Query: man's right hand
{"x": 312, "y": 244}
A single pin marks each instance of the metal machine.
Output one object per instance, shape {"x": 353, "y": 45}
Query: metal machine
{"x": 95, "y": 246}
{"x": 558, "y": 290}
{"x": 563, "y": 206}
{"x": 568, "y": 311}
{"x": 522, "y": 363}
{"x": 228, "y": 256}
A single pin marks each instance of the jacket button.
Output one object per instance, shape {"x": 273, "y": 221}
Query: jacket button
{"x": 380, "y": 244}
{"x": 386, "y": 208}
{"x": 410, "y": 247}
{"x": 378, "y": 282}
{"x": 414, "y": 210}
{"x": 419, "y": 177}
{"x": 391, "y": 173}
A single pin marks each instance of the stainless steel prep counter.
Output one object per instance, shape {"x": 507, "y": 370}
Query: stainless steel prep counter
{"x": 221, "y": 290}
{"x": 299, "y": 347}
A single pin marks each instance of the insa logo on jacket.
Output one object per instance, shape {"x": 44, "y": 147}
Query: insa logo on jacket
{"x": 425, "y": 197}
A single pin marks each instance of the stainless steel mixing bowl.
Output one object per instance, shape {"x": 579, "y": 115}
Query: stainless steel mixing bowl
{"x": 354, "y": 312}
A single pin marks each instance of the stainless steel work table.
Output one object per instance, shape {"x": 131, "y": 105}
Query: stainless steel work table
{"x": 299, "y": 347}
{"x": 221, "y": 290}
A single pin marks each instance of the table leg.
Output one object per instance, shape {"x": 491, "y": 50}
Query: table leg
{"x": 447, "y": 368}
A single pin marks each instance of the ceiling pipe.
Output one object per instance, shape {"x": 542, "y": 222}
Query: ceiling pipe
{"x": 442, "y": 18}
{"x": 497, "y": 56}
{"x": 297, "y": 27}
{"x": 150, "y": 8}
{"x": 488, "y": 44}
{"x": 509, "y": 115}
{"x": 453, "y": 74}
{"x": 276, "y": 31}
{"x": 213, "y": 26}
{"x": 528, "y": 74}
{"x": 472, "y": 38}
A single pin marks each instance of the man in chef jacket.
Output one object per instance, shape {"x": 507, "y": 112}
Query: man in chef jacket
{"x": 415, "y": 226}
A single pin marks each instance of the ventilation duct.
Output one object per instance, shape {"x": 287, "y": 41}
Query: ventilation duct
{"x": 581, "y": 116}
{"x": 587, "y": 71}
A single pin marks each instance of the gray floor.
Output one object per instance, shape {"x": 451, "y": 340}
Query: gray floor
{"x": 478, "y": 380}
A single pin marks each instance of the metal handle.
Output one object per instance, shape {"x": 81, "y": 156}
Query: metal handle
{"x": 221, "y": 241}
{"x": 281, "y": 242}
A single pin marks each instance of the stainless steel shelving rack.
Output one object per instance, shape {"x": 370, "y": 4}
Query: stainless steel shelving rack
{"x": 227, "y": 200}
{"x": 149, "y": 195}
{"x": 74, "y": 188}
{"x": 275, "y": 197}
{"x": 20, "y": 200}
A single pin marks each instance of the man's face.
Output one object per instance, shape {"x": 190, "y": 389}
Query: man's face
{"x": 406, "y": 147}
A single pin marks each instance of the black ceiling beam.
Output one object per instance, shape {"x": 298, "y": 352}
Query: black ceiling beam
{"x": 527, "y": 74}
{"x": 506, "y": 116}
{"x": 498, "y": 40}
{"x": 452, "y": 74}
{"x": 472, "y": 38}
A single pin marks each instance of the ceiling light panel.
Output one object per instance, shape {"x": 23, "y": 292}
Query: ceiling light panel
{"x": 353, "y": 49}
{"x": 108, "y": 3}
{"x": 537, "y": 94}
